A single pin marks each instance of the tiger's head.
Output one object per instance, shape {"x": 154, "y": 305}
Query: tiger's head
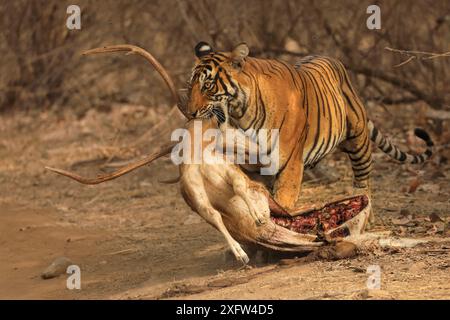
{"x": 218, "y": 88}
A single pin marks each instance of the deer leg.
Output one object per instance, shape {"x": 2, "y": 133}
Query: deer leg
{"x": 241, "y": 189}
{"x": 214, "y": 217}
{"x": 198, "y": 200}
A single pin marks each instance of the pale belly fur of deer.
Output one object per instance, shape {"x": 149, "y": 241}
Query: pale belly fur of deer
{"x": 240, "y": 209}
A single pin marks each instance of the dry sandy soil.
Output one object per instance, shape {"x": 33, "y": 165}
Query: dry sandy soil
{"x": 135, "y": 238}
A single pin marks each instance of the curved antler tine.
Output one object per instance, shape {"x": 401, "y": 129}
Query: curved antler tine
{"x": 164, "y": 150}
{"x": 131, "y": 49}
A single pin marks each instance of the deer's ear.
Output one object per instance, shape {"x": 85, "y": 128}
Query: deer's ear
{"x": 202, "y": 48}
{"x": 239, "y": 53}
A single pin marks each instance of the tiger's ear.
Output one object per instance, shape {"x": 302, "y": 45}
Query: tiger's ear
{"x": 239, "y": 53}
{"x": 202, "y": 48}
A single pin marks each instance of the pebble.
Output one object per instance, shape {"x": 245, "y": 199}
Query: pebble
{"x": 342, "y": 250}
{"x": 376, "y": 294}
{"x": 345, "y": 250}
{"x": 56, "y": 268}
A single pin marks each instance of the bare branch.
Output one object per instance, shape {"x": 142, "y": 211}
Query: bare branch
{"x": 421, "y": 55}
{"x": 381, "y": 75}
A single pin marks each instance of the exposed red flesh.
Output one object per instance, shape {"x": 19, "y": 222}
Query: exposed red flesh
{"x": 329, "y": 217}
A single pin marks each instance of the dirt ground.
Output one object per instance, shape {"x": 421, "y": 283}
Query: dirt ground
{"x": 135, "y": 238}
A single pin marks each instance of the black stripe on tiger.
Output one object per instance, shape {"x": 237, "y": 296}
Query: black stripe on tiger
{"x": 394, "y": 152}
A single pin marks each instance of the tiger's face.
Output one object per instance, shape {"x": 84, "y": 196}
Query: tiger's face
{"x": 217, "y": 87}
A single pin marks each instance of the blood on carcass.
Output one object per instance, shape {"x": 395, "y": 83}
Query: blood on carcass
{"x": 327, "y": 218}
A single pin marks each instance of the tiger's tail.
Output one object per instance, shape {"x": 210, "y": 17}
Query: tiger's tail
{"x": 394, "y": 152}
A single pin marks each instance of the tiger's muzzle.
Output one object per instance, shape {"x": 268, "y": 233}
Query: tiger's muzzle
{"x": 209, "y": 111}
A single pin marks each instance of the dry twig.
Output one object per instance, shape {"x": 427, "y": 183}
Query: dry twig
{"x": 417, "y": 55}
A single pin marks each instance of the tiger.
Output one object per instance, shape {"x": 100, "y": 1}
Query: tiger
{"x": 313, "y": 105}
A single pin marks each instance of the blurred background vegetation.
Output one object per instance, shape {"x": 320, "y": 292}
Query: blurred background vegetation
{"x": 42, "y": 66}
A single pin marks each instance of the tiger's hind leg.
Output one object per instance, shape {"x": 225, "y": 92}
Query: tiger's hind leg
{"x": 359, "y": 151}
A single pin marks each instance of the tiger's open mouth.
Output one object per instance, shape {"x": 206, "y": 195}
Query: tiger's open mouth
{"x": 329, "y": 217}
{"x": 208, "y": 113}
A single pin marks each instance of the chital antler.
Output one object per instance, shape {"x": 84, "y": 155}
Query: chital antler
{"x": 164, "y": 150}
{"x": 131, "y": 49}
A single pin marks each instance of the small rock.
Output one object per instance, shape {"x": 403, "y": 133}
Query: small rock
{"x": 376, "y": 294}
{"x": 57, "y": 268}
{"x": 360, "y": 295}
{"x": 401, "y": 221}
{"x": 342, "y": 250}
{"x": 345, "y": 250}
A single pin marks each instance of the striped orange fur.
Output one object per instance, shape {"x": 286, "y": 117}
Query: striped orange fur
{"x": 312, "y": 103}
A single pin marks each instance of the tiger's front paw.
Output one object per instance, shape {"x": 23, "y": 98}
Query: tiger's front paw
{"x": 286, "y": 201}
